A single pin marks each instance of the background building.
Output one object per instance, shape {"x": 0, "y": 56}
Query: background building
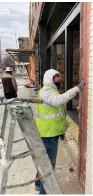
{"x": 23, "y": 42}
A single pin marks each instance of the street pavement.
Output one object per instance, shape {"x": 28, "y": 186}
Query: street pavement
{"x": 22, "y": 169}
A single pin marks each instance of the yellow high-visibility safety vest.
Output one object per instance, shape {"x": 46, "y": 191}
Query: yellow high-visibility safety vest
{"x": 50, "y": 120}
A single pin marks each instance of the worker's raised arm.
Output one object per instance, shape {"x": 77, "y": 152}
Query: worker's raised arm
{"x": 51, "y": 98}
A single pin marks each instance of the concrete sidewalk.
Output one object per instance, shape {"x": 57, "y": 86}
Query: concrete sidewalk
{"x": 22, "y": 169}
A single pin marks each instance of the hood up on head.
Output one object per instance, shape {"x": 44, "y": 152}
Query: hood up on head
{"x": 48, "y": 77}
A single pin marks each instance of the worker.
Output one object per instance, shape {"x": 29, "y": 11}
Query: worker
{"x": 9, "y": 84}
{"x": 51, "y": 114}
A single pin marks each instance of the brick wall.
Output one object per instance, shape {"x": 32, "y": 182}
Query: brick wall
{"x": 76, "y": 57}
{"x": 60, "y": 61}
{"x": 88, "y": 186}
{"x": 76, "y": 61}
{"x": 76, "y": 64}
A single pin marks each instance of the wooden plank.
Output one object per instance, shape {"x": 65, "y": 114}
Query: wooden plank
{"x": 18, "y": 100}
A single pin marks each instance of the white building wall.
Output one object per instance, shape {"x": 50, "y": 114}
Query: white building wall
{"x": 89, "y": 158}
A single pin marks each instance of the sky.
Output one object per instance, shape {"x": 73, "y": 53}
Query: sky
{"x": 13, "y": 23}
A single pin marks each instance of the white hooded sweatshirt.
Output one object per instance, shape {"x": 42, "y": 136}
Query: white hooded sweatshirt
{"x": 49, "y": 96}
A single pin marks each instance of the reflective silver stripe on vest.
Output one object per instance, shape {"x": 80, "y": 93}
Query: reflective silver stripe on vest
{"x": 49, "y": 115}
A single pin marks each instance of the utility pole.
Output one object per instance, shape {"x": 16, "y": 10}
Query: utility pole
{"x": 15, "y": 37}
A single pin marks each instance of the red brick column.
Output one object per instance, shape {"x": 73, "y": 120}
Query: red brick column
{"x": 83, "y": 75}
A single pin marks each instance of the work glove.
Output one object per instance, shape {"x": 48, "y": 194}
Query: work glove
{"x": 81, "y": 85}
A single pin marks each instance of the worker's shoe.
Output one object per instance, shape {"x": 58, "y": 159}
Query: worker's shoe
{"x": 37, "y": 188}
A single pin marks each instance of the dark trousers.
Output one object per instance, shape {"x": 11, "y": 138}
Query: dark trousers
{"x": 51, "y": 145}
{"x": 10, "y": 95}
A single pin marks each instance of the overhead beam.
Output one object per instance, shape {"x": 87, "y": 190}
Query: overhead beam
{"x": 51, "y": 12}
{"x": 70, "y": 17}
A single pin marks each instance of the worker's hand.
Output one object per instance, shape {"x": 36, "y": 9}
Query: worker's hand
{"x": 81, "y": 85}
